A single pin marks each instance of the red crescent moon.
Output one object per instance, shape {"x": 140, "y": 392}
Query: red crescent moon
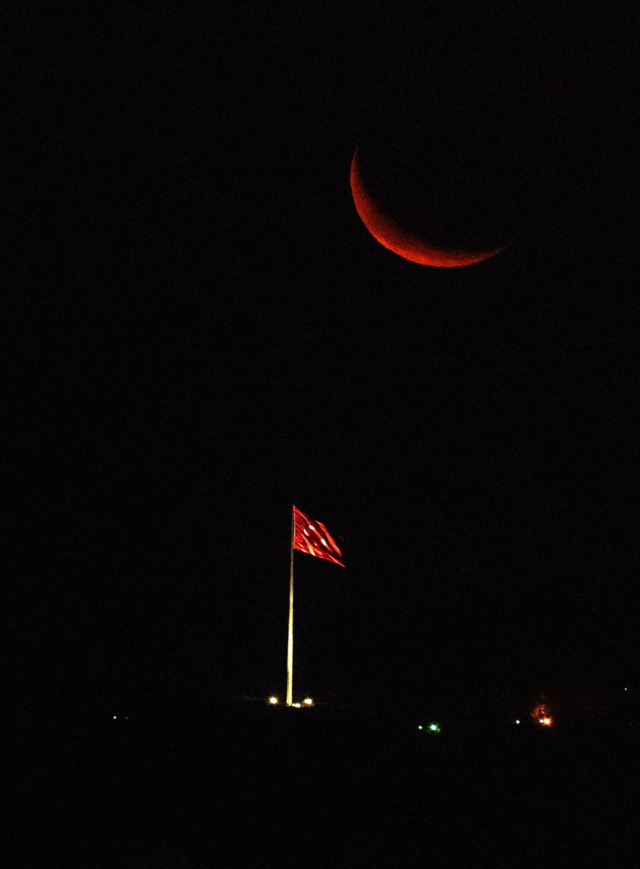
{"x": 392, "y": 236}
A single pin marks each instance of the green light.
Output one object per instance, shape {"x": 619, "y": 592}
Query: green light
{"x": 434, "y": 728}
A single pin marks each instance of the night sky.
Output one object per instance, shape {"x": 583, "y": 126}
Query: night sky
{"x": 198, "y": 332}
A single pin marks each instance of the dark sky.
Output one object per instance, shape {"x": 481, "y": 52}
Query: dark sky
{"x": 198, "y": 332}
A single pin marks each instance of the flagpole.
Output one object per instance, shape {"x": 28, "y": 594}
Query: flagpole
{"x": 290, "y": 643}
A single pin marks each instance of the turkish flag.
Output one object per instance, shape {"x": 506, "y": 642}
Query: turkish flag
{"x": 312, "y": 537}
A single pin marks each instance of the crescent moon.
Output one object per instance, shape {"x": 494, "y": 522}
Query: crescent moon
{"x": 401, "y": 241}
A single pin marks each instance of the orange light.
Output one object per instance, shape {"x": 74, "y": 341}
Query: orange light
{"x": 541, "y": 715}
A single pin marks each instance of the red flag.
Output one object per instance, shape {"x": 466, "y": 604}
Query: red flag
{"x": 312, "y": 537}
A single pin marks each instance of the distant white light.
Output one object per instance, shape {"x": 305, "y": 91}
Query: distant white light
{"x": 114, "y": 717}
{"x": 517, "y": 721}
{"x": 420, "y": 727}
{"x": 308, "y": 701}
{"x": 297, "y": 705}
{"x": 273, "y": 700}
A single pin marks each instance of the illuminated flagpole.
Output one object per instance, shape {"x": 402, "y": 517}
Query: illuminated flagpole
{"x": 290, "y": 643}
